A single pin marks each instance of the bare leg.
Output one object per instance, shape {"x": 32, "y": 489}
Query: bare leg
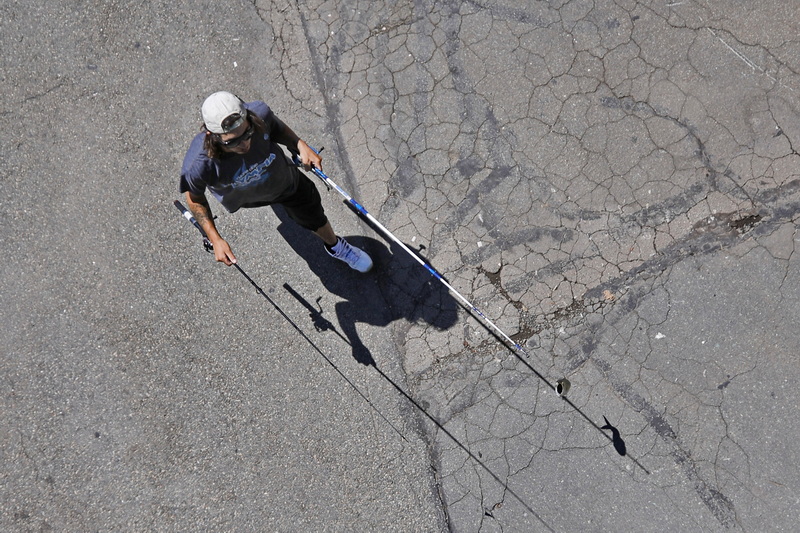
{"x": 326, "y": 234}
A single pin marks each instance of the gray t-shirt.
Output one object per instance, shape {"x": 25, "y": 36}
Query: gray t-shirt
{"x": 259, "y": 177}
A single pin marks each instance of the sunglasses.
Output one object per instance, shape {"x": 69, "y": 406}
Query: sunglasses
{"x": 236, "y": 141}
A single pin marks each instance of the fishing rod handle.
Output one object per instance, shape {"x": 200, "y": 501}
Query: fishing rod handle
{"x": 188, "y": 216}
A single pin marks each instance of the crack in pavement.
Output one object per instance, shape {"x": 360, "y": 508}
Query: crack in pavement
{"x": 561, "y": 164}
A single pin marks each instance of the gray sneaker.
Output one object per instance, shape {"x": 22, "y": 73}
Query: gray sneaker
{"x": 355, "y": 258}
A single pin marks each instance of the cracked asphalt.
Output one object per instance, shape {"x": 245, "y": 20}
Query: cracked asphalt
{"x": 614, "y": 183}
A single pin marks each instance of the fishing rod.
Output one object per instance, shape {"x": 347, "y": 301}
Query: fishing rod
{"x": 561, "y": 387}
{"x": 472, "y": 308}
{"x": 210, "y": 247}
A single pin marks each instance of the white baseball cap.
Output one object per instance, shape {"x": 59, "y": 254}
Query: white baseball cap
{"x": 220, "y": 106}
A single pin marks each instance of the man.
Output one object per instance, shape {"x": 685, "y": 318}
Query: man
{"x": 237, "y": 158}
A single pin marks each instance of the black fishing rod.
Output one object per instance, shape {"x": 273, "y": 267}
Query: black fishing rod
{"x": 210, "y": 247}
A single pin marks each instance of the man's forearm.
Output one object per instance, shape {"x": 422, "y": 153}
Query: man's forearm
{"x": 199, "y": 207}
{"x": 202, "y": 214}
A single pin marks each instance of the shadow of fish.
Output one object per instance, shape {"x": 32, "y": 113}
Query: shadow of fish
{"x": 616, "y": 440}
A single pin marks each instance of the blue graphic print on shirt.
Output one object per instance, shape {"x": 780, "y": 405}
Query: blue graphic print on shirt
{"x": 246, "y": 177}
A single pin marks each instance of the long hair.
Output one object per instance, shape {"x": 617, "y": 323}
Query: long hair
{"x": 212, "y": 143}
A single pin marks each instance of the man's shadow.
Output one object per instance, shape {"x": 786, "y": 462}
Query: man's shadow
{"x": 396, "y": 288}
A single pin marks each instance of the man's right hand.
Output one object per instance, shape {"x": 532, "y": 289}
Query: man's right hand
{"x": 223, "y": 252}
{"x": 199, "y": 207}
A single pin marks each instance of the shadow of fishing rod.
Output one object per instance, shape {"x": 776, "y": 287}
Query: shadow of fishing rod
{"x": 315, "y": 317}
{"x": 320, "y": 322}
{"x": 615, "y": 437}
{"x": 561, "y": 388}
{"x": 316, "y": 348}
{"x": 463, "y": 447}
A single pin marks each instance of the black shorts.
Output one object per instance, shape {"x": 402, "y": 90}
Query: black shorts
{"x": 304, "y": 205}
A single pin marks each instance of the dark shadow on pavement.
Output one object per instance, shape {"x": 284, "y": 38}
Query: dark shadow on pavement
{"x": 616, "y": 438}
{"x": 396, "y": 288}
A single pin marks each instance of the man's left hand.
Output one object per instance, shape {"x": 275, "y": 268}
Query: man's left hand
{"x": 308, "y": 157}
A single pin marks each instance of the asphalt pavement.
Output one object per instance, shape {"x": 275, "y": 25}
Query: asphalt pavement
{"x": 614, "y": 184}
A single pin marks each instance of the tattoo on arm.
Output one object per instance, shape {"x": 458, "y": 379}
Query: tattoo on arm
{"x": 201, "y": 215}
{"x": 200, "y": 209}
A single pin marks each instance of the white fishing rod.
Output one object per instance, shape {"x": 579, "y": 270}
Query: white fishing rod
{"x": 361, "y": 210}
